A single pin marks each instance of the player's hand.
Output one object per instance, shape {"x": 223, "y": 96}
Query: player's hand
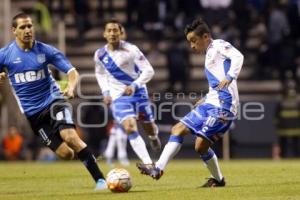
{"x": 129, "y": 90}
{"x": 2, "y": 77}
{"x": 107, "y": 100}
{"x": 223, "y": 84}
{"x": 68, "y": 92}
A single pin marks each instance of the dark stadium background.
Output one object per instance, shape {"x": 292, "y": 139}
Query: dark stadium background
{"x": 266, "y": 31}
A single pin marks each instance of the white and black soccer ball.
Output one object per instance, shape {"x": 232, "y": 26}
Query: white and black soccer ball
{"x": 118, "y": 180}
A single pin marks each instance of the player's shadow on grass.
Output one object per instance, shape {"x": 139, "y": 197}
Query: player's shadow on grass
{"x": 261, "y": 184}
{"x": 96, "y": 193}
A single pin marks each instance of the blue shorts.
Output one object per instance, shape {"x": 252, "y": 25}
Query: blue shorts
{"x": 132, "y": 106}
{"x": 208, "y": 121}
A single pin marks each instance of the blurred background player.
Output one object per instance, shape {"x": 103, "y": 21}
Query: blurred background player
{"x": 117, "y": 136}
{"x": 117, "y": 141}
{"x": 122, "y": 72}
{"x": 26, "y": 63}
{"x": 212, "y": 115}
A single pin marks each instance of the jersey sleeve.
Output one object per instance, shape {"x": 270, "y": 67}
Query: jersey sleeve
{"x": 101, "y": 75}
{"x": 144, "y": 66}
{"x": 236, "y": 58}
{"x": 1, "y": 60}
{"x": 59, "y": 60}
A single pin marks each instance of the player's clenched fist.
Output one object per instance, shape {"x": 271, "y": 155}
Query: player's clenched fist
{"x": 69, "y": 92}
{"x": 129, "y": 90}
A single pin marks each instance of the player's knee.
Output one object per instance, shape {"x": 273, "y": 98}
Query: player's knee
{"x": 69, "y": 155}
{"x": 179, "y": 129}
{"x": 129, "y": 128}
{"x": 129, "y": 125}
{"x": 200, "y": 149}
{"x": 202, "y": 145}
{"x": 66, "y": 154}
{"x": 71, "y": 139}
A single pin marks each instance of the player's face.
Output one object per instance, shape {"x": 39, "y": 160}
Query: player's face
{"x": 112, "y": 33}
{"x": 24, "y": 30}
{"x": 197, "y": 43}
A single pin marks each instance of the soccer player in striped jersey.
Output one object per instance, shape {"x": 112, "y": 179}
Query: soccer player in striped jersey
{"x": 122, "y": 72}
{"x": 25, "y": 62}
{"x": 212, "y": 115}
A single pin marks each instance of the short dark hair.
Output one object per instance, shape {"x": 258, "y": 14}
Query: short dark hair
{"x": 18, "y": 16}
{"x": 198, "y": 26}
{"x": 114, "y": 21}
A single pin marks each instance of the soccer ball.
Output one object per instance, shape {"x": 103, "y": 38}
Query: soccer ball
{"x": 118, "y": 180}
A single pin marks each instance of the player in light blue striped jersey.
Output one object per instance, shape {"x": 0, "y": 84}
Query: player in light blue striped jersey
{"x": 25, "y": 62}
{"x": 212, "y": 115}
{"x": 122, "y": 72}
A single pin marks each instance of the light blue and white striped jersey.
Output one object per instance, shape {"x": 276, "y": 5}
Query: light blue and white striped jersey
{"x": 122, "y": 67}
{"x": 33, "y": 84}
{"x": 222, "y": 61}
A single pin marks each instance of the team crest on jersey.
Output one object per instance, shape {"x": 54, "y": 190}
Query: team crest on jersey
{"x": 41, "y": 58}
{"x": 105, "y": 59}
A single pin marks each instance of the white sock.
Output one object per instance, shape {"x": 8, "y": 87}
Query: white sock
{"x": 171, "y": 149}
{"x": 212, "y": 164}
{"x": 110, "y": 148}
{"x": 138, "y": 145}
{"x": 121, "y": 144}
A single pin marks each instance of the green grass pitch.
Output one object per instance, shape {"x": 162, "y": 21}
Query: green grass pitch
{"x": 246, "y": 179}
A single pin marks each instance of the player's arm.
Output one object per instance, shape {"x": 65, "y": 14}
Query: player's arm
{"x": 72, "y": 77}
{"x": 146, "y": 69}
{"x": 236, "y": 58}
{"x": 102, "y": 79}
{"x": 2, "y": 73}
{"x": 60, "y": 62}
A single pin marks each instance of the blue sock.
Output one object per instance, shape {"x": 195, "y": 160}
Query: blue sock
{"x": 208, "y": 155}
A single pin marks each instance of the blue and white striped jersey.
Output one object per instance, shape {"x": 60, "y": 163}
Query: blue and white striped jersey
{"x": 122, "y": 67}
{"x": 33, "y": 84}
{"x": 222, "y": 61}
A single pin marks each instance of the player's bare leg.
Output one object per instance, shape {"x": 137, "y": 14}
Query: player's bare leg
{"x": 202, "y": 146}
{"x": 65, "y": 152}
{"x": 72, "y": 139}
{"x": 151, "y": 130}
{"x": 136, "y": 141}
{"x": 171, "y": 149}
{"x": 87, "y": 158}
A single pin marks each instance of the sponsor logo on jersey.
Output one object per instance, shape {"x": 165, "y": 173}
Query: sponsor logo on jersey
{"x": 17, "y": 60}
{"x": 29, "y": 76}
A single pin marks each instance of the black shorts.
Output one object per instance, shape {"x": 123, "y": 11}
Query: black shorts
{"x": 49, "y": 122}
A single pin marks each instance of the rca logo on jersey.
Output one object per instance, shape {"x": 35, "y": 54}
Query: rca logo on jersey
{"x": 29, "y": 76}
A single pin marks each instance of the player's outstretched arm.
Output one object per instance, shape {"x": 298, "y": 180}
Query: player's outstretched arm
{"x": 72, "y": 81}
